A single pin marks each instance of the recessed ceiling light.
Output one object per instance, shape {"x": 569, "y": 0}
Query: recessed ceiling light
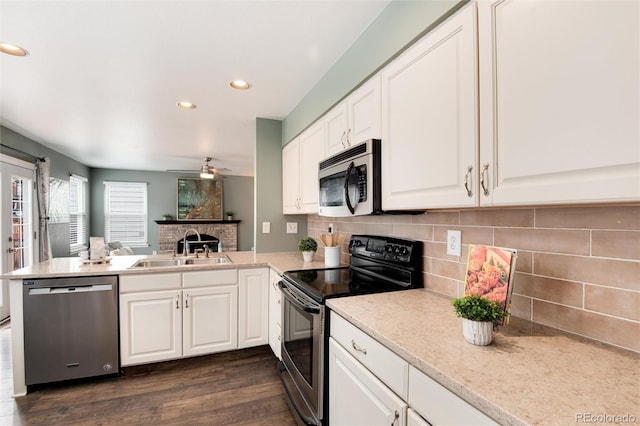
{"x": 186, "y": 105}
{"x": 12, "y": 49}
{"x": 240, "y": 84}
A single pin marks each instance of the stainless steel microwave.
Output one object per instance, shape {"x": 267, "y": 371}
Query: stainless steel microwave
{"x": 350, "y": 181}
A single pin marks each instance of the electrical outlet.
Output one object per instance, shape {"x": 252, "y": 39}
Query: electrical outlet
{"x": 292, "y": 227}
{"x": 330, "y": 228}
{"x": 266, "y": 227}
{"x": 454, "y": 241}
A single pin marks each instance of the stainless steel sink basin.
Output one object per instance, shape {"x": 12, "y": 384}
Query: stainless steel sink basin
{"x": 180, "y": 261}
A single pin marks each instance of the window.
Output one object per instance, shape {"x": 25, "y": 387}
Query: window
{"x": 77, "y": 213}
{"x": 125, "y": 213}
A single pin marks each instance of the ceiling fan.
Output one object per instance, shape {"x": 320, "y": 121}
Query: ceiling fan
{"x": 206, "y": 171}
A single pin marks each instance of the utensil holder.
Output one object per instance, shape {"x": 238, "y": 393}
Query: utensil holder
{"x": 332, "y": 256}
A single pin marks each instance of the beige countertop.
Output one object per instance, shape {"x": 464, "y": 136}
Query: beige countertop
{"x": 530, "y": 374}
{"x": 72, "y": 266}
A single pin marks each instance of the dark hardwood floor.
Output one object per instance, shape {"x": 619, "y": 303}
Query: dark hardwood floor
{"x": 233, "y": 388}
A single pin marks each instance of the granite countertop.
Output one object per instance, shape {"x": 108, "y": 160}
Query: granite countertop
{"x": 72, "y": 266}
{"x": 530, "y": 374}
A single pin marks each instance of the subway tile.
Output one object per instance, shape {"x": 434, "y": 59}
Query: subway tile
{"x": 618, "y": 244}
{"x": 524, "y": 261}
{"x": 600, "y": 217}
{"x": 441, "y": 285}
{"x": 517, "y": 217}
{"x": 554, "y": 290}
{"x": 521, "y": 306}
{"x": 449, "y": 269}
{"x": 613, "y": 273}
{"x": 379, "y": 229}
{"x": 352, "y": 228}
{"x": 439, "y": 250}
{"x": 616, "y": 331}
{"x": 390, "y": 218}
{"x": 612, "y": 301}
{"x": 414, "y": 232}
{"x": 547, "y": 240}
{"x": 439, "y": 218}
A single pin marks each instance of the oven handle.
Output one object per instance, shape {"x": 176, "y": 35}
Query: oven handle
{"x": 312, "y": 308}
{"x": 308, "y": 421}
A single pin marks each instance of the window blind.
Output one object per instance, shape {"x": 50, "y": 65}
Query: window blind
{"x": 77, "y": 213}
{"x": 125, "y": 207}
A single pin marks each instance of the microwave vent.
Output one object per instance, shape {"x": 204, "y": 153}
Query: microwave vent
{"x": 344, "y": 155}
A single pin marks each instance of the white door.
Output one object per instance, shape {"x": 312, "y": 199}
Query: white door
{"x": 253, "y": 309}
{"x": 17, "y": 228}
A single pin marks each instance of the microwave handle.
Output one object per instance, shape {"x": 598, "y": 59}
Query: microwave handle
{"x": 346, "y": 188}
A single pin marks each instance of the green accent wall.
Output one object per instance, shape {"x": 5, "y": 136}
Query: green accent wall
{"x": 269, "y": 192}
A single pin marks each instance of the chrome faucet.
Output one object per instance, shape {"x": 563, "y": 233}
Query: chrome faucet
{"x": 185, "y": 244}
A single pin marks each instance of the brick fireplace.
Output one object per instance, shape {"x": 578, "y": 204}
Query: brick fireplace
{"x": 173, "y": 230}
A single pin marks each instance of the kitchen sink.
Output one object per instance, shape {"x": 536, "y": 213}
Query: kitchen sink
{"x": 180, "y": 261}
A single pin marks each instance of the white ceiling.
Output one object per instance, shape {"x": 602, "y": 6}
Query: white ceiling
{"x": 102, "y": 78}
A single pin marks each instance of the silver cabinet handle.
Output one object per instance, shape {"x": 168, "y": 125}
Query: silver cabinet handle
{"x": 484, "y": 178}
{"x": 395, "y": 418}
{"x": 466, "y": 181}
{"x": 342, "y": 139}
{"x": 358, "y": 348}
{"x": 186, "y": 301}
{"x": 177, "y": 302}
{"x": 349, "y": 137}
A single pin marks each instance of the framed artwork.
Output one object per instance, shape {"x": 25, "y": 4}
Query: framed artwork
{"x": 199, "y": 199}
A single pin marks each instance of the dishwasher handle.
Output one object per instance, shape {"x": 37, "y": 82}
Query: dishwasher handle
{"x": 42, "y": 291}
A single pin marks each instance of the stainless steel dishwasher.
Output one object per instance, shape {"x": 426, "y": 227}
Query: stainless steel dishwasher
{"x": 70, "y": 328}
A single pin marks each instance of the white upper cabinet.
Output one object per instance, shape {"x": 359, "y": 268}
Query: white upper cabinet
{"x": 355, "y": 119}
{"x": 559, "y": 101}
{"x": 300, "y": 159}
{"x": 429, "y": 125}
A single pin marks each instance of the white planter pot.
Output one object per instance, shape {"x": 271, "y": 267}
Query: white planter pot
{"x": 476, "y": 332}
{"x": 307, "y": 256}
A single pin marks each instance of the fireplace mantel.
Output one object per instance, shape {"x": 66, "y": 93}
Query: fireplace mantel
{"x": 194, "y": 222}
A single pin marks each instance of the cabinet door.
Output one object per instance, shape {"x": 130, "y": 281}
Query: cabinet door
{"x": 363, "y": 107}
{"x": 414, "y": 419}
{"x": 210, "y": 317}
{"x": 429, "y": 126}
{"x": 275, "y": 314}
{"x": 291, "y": 177}
{"x": 150, "y": 327}
{"x": 336, "y": 124}
{"x": 560, "y": 103}
{"x": 311, "y": 153}
{"x": 253, "y": 309}
{"x": 357, "y": 397}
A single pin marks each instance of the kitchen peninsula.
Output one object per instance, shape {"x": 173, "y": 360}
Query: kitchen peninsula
{"x": 531, "y": 374}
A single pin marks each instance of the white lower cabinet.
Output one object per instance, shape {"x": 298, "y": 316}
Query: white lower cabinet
{"x": 174, "y": 315}
{"x": 357, "y": 397}
{"x": 275, "y": 314}
{"x": 370, "y": 385}
{"x": 253, "y": 309}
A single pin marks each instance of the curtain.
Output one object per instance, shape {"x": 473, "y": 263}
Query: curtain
{"x": 44, "y": 171}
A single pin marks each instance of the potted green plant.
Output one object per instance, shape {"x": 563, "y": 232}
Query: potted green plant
{"x": 229, "y": 215}
{"x": 479, "y": 316}
{"x": 308, "y": 247}
{"x": 167, "y": 216}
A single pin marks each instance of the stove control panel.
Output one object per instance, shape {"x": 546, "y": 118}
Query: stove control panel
{"x": 390, "y": 249}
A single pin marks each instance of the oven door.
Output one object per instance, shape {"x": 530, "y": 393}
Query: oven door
{"x": 344, "y": 189}
{"x": 301, "y": 370}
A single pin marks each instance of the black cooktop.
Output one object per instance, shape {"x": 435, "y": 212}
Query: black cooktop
{"x": 321, "y": 284}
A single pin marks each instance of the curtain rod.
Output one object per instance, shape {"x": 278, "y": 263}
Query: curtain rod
{"x": 33, "y": 157}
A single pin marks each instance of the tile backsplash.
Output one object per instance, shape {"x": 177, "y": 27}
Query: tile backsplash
{"x": 578, "y": 268}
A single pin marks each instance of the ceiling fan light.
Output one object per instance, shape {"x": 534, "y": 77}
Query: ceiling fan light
{"x": 206, "y": 175}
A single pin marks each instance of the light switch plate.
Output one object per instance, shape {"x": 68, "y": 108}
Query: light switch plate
{"x": 266, "y": 227}
{"x": 292, "y": 227}
{"x": 454, "y": 241}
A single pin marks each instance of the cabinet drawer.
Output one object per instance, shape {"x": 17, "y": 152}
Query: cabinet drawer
{"x": 383, "y": 363}
{"x": 439, "y": 405}
{"x": 149, "y": 282}
{"x": 209, "y": 278}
